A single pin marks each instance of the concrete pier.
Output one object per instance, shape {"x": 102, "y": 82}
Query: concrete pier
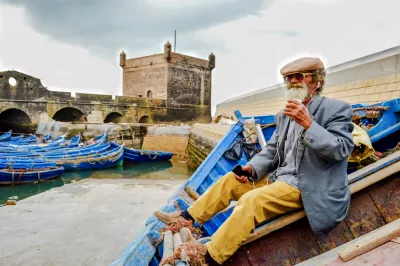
{"x": 84, "y": 223}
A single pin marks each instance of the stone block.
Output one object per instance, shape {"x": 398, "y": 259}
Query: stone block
{"x": 364, "y": 98}
{"x": 373, "y": 97}
{"x": 381, "y": 88}
{"x": 398, "y": 86}
{"x": 358, "y": 84}
{"x": 395, "y": 94}
{"x": 361, "y": 91}
{"x": 384, "y": 96}
{"x": 368, "y": 82}
{"x": 354, "y": 99}
{"x": 350, "y": 85}
{"x": 391, "y": 87}
{"x": 370, "y": 90}
{"x": 351, "y": 93}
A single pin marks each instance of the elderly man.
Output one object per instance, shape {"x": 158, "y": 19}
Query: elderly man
{"x": 303, "y": 166}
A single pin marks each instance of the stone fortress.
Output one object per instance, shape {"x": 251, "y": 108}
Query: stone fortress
{"x": 168, "y": 88}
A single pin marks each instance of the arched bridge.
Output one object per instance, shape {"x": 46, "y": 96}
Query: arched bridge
{"x": 25, "y": 101}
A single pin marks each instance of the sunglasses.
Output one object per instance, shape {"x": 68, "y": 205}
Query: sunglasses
{"x": 299, "y": 77}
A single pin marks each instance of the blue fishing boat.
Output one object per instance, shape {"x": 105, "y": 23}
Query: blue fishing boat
{"x": 23, "y": 176}
{"x": 265, "y": 245}
{"x": 142, "y": 156}
{"x": 108, "y": 158}
{"x": 6, "y": 136}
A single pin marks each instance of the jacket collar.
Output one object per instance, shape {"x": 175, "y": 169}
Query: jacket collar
{"x": 314, "y": 104}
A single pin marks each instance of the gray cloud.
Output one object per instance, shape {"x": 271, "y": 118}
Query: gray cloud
{"x": 106, "y": 26}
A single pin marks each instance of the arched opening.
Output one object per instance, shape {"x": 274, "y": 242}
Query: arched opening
{"x": 149, "y": 94}
{"x": 16, "y": 120}
{"x": 145, "y": 119}
{"x": 113, "y": 117}
{"x": 69, "y": 114}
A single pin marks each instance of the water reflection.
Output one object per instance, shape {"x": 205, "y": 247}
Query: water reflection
{"x": 174, "y": 169}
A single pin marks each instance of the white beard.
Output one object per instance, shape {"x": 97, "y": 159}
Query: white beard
{"x": 297, "y": 93}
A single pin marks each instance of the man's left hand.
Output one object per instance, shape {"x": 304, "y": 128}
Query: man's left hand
{"x": 299, "y": 113}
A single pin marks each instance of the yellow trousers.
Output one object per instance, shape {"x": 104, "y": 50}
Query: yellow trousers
{"x": 254, "y": 206}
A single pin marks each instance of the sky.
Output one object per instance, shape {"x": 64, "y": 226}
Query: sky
{"x": 74, "y": 45}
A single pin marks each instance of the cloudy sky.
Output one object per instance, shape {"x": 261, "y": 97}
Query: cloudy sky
{"x": 74, "y": 45}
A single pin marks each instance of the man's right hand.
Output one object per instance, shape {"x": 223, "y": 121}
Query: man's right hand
{"x": 244, "y": 179}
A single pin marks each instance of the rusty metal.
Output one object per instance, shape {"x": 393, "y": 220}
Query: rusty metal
{"x": 363, "y": 216}
{"x": 387, "y": 198}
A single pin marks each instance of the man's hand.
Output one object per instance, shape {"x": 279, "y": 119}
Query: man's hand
{"x": 299, "y": 113}
{"x": 244, "y": 179}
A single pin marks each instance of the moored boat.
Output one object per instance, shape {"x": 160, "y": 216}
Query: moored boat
{"x": 142, "y": 156}
{"x": 22, "y": 176}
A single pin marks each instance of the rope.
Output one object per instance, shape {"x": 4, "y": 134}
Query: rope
{"x": 39, "y": 176}
{"x": 155, "y": 156}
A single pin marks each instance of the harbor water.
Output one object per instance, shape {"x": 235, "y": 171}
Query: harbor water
{"x": 176, "y": 169}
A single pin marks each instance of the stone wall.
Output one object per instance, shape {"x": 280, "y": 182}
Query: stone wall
{"x": 167, "y": 138}
{"x": 203, "y": 139}
{"x": 369, "y": 79}
{"x": 146, "y": 74}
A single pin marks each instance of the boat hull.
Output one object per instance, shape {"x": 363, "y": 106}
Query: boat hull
{"x": 12, "y": 177}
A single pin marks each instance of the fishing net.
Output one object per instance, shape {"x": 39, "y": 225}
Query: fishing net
{"x": 193, "y": 253}
{"x": 182, "y": 222}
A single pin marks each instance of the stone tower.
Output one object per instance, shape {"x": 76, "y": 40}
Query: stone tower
{"x": 176, "y": 78}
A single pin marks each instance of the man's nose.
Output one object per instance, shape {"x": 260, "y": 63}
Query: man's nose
{"x": 294, "y": 79}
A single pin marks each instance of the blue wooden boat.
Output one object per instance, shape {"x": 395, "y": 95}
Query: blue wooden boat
{"x": 142, "y": 156}
{"x": 384, "y": 134}
{"x": 22, "y": 176}
{"x": 109, "y": 158}
{"x": 20, "y": 164}
{"x": 6, "y": 136}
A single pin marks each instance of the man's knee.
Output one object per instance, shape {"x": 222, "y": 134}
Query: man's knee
{"x": 249, "y": 198}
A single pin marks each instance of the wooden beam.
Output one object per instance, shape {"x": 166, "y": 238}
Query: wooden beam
{"x": 396, "y": 240}
{"x": 370, "y": 241}
{"x": 275, "y": 225}
{"x": 375, "y": 177}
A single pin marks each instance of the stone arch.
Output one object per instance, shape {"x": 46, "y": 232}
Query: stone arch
{"x": 70, "y": 114}
{"x": 114, "y": 117}
{"x": 146, "y": 120}
{"x": 16, "y": 120}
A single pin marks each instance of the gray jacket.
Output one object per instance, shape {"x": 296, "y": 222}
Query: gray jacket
{"x": 321, "y": 161}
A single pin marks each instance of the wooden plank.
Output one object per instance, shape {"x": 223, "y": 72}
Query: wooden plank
{"x": 363, "y": 216}
{"x": 338, "y": 236}
{"x": 387, "y": 198}
{"x": 370, "y": 241}
{"x": 397, "y": 240}
{"x": 374, "y": 177}
{"x": 288, "y": 246}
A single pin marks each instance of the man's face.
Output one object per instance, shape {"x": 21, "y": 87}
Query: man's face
{"x": 299, "y": 86}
